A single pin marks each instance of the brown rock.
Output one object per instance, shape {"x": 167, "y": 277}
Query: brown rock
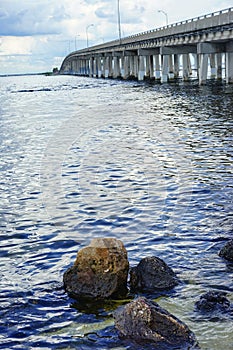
{"x": 100, "y": 270}
{"x": 152, "y": 274}
{"x": 227, "y": 251}
{"x": 143, "y": 320}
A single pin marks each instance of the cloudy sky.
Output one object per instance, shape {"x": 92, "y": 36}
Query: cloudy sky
{"x": 36, "y": 35}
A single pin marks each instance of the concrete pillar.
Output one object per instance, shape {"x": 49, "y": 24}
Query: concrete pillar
{"x": 126, "y": 67}
{"x": 99, "y": 67}
{"x": 213, "y": 68}
{"x": 151, "y": 66}
{"x": 186, "y": 66}
{"x": 203, "y": 70}
{"x": 78, "y": 66}
{"x": 94, "y": 67}
{"x": 122, "y": 67}
{"x": 131, "y": 66}
{"x": 91, "y": 63}
{"x": 157, "y": 67}
{"x": 219, "y": 65}
{"x": 82, "y": 67}
{"x": 106, "y": 67}
{"x": 73, "y": 66}
{"x": 196, "y": 64}
{"x": 229, "y": 67}
{"x": 165, "y": 68}
{"x": 147, "y": 66}
{"x": 116, "y": 68}
{"x": 141, "y": 68}
{"x": 176, "y": 66}
{"x": 171, "y": 68}
{"x": 110, "y": 68}
{"x": 135, "y": 66}
{"x": 87, "y": 68}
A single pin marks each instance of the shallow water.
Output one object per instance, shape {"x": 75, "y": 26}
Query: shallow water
{"x": 146, "y": 163}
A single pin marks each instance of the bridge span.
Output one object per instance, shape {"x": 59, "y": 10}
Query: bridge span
{"x": 200, "y": 47}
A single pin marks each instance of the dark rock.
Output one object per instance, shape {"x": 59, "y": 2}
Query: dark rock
{"x": 144, "y": 320}
{"x": 100, "y": 270}
{"x": 213, "y": 301}
{"x": 152, "y": 274}
{"x": 227, "y": 251}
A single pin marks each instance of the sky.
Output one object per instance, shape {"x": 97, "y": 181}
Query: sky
{"x": 36, "y": 35}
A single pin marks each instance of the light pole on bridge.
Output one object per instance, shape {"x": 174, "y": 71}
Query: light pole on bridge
{"x": 165, "y": 14}
{"x": 119, "y": 19}
{"x": 87, "y": 27}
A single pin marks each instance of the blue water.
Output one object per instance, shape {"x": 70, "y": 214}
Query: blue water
{"x": 146, "y": 163}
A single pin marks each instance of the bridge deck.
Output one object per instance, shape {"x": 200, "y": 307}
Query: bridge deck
{"x": 157, "y": 53}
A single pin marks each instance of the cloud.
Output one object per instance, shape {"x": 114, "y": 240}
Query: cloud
{"x": 37, "y": 34}
{"x": 31, "y": 18}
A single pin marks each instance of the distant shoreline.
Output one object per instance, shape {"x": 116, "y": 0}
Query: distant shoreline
{"x": 26, "y": 74}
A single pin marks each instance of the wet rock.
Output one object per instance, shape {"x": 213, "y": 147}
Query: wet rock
{"x": 152, "y": 274}
{"x": 213, "y": 301}
{"x": 100, "y": 270}
{"x": 227, "y": 251}
{"x": 143, "y": 320}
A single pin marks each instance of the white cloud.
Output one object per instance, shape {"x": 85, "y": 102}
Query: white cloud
{"x": 37, "y": 34}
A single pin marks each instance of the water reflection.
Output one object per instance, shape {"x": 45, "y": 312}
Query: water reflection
{"x": 148, "y": 164}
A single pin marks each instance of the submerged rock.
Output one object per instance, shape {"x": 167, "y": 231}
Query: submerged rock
{"x": 227, "y": 251}
{"x": 213, "y": 301}
{"x": 152, "y": 274}
{"x": 143, "y": 320}
{"x": 100, "y": 270}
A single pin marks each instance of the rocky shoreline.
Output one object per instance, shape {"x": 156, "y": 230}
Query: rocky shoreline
{"x": 102, "y": 272}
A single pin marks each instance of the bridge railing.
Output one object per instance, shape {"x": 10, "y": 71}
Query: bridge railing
{"x": 190, "y": 20}
{"x": 170, "y": 29}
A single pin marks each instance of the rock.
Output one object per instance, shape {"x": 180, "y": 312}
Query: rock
{"x": 100, "y": 270}
{"x": 143, "y": 320}
{"x": 213, "y": 301}
{"x": 227, "y": 251}
{"x": 152, "y": 274}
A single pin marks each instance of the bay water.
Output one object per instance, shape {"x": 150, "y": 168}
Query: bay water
{"x": 148, "y": 164}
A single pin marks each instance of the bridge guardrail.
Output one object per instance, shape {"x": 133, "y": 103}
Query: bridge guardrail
{"x": 170, "y": 29}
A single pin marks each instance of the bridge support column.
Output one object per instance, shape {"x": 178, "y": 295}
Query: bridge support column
{"x": 95, "y": 69}
{"x": 186, "y": 66}
{"x": 122, "y": 66}
{"x": 106, "y": 67}
{"x": 157, "y": 67}
{"x": 219, "y": 65}
{"x": 171, "y": 68}
{"x": 110, "y": 72}
{"x": 165, "y": 68}
{"x": 141, "y": 68}
{"x": 74, "y": 66}
{"x": 213, "y": 65}
{"x": 99, "y": 67}
{"x": 126, "y": 67}
{"x": 78, "y": 66}
{"x": 176, "y": 66}
{"x": 151, "y": 67}
{"x": 91, "y": 64}
{"x": 82, "y": 67}
{"x": 203, "y": 70}
{"x": 229, "y": 67}
{"x": 131, "y": 65}
{"x": 147, "y": 67}
{"x": 116, "y": 69}
{"x": 134, "y": 66}
{"x": 87, "y": 68}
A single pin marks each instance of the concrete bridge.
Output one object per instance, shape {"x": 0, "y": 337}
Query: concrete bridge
{"x": 200, "y": 47}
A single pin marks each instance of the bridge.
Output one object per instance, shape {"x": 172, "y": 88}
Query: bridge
{"x": 200, "y": 48}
